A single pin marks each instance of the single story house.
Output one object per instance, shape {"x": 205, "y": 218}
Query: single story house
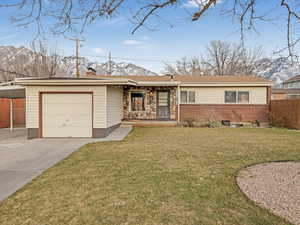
{"x": 285, "y": 93}
{"x": 93, "y": 106}
{"x": 293, "y": 82}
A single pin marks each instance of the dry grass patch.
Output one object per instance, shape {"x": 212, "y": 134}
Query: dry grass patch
{"x": 156, "y": 176}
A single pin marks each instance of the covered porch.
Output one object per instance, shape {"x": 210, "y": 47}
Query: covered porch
{"x": 149, "y": 104}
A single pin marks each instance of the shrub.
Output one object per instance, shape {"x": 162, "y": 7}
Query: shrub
{"x": 277, "y": 121}
{"x": 188, "y": 122}
{"x": 257, "y": 123}
{"x": 214, "y": 124}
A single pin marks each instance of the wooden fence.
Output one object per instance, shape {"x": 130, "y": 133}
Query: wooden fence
{"x": 18, "y": 112}
{"x": 285, "y": 113}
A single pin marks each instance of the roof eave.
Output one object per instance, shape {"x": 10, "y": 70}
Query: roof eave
{"x": 67, "y": 82}
{"x": 158, "y": 83}
{"x": 222, "y": 84}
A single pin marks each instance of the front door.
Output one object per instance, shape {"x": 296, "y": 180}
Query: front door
{"x": 163, "y": 105}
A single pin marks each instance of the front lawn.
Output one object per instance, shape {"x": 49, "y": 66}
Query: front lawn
{"x": 156, "y": 176}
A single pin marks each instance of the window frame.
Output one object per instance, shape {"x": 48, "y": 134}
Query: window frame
{"x": 237, "y": 97}
{"x": 130, "y": 98}
{"x": 225, "y": 97}
{"x": 188, "y": 97}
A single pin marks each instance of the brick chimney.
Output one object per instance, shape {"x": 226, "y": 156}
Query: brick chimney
{"x": 90, "y": 72}
{"x": 171, "y": 76}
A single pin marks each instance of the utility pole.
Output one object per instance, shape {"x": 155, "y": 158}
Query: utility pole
{"x": 109, "y": 64}
{"x": 77, "y": 55}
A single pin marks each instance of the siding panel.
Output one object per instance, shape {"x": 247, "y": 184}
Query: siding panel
{"x": 32, "y": 102}
{"x": 215, "y": 95}
{"x": 114, "y": 106}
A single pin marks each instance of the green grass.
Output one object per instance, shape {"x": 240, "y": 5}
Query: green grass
{"x": 156, "y": 176}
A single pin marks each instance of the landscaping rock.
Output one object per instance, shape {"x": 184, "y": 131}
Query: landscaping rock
{"x": 275, "y": 186}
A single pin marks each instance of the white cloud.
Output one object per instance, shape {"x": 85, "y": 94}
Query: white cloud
{"x": 145, "y": 37}
{"x": 99, "y": 50}
{"x": 197, "y": 3}
{"x": 132, "y": 42}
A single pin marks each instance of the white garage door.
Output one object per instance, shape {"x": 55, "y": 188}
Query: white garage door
{"x": 67, "y": 115}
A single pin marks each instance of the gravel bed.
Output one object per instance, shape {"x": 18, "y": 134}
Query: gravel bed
{"x": 275, "y": 186}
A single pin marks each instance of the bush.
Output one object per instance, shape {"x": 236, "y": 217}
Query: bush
{"x": 188, "y": 122}
{"x": 277, "y": 121}
{"x": 214, "y": 124}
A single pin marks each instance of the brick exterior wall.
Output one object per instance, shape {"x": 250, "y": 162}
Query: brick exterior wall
{"x": 150, "y": 103}
{"x": 218, "y": 112}
{"x": 199, "y": 112}
{"x": 286, "y": 112}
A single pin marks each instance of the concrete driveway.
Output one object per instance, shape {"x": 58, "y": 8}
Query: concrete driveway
{"x": 21, "y": 160}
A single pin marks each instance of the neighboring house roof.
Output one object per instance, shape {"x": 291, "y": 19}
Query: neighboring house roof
{"x": 191, "y": 79}
{"x": 285, "y": 91}
{"x": 293, "y": 79}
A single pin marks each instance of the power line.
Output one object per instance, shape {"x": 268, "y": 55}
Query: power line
{"x": 132, "y": 59}
{"x": 109, "y": 64}
{"x": 77, "y": 55}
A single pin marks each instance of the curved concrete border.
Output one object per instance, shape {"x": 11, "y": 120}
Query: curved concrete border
{"x": 274, "y": 186}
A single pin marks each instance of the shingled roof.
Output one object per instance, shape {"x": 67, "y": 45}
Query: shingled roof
{"x": 190, "y": 78}
{"x": 295, "y": 78}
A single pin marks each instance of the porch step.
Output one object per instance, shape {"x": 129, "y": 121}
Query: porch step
{"x": 150, "y": 123}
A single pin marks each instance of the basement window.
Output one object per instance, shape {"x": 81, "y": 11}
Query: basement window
{"x": 137, "y": 101}
{"x": 241, "y": 97}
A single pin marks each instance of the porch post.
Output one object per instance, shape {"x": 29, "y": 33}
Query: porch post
{"x": 11, "y": 114}
{"x": 178, "y": 104}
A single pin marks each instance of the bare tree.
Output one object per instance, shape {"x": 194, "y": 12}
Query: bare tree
{"x": 221, "y": 58}
{"x": 46, "y": 60}
{"x": 224, "y": 58}
{"x": 75, "y": 15}
{"x": 185, "y": 66}
{"x": 12, "y": 68}
{"x": 42, "y": 61}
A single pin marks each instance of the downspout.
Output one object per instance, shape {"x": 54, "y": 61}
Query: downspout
{"x": 11, "y": 114}
{"x": 178, "y": 104}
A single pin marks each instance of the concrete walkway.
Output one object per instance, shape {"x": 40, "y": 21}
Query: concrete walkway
{"x": 21, "y": 160}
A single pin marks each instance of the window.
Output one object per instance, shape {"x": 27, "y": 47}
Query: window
{"x": 293, "y": 96}
{"x": 137, "y": 101}
{"x": 183, "y": 97}
{"x": 191, "y": 97}
{"x": 241, "y": 97}
{"x": 230, "y": 96}
{"x": 187, "y": 97}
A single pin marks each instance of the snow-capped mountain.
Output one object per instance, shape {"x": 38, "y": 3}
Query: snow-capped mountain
{"x": 24, "y": 60}
{"x": 122, "y": 68}
{"x": 20, "y": 55}
{"x": 277, "y": 70}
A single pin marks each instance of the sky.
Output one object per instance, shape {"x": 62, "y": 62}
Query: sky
{"x": 172, "y": 39}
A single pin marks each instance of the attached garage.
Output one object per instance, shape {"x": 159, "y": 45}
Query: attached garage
{"x": 68, "y": 107}
{"x": 67, "y": 114}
